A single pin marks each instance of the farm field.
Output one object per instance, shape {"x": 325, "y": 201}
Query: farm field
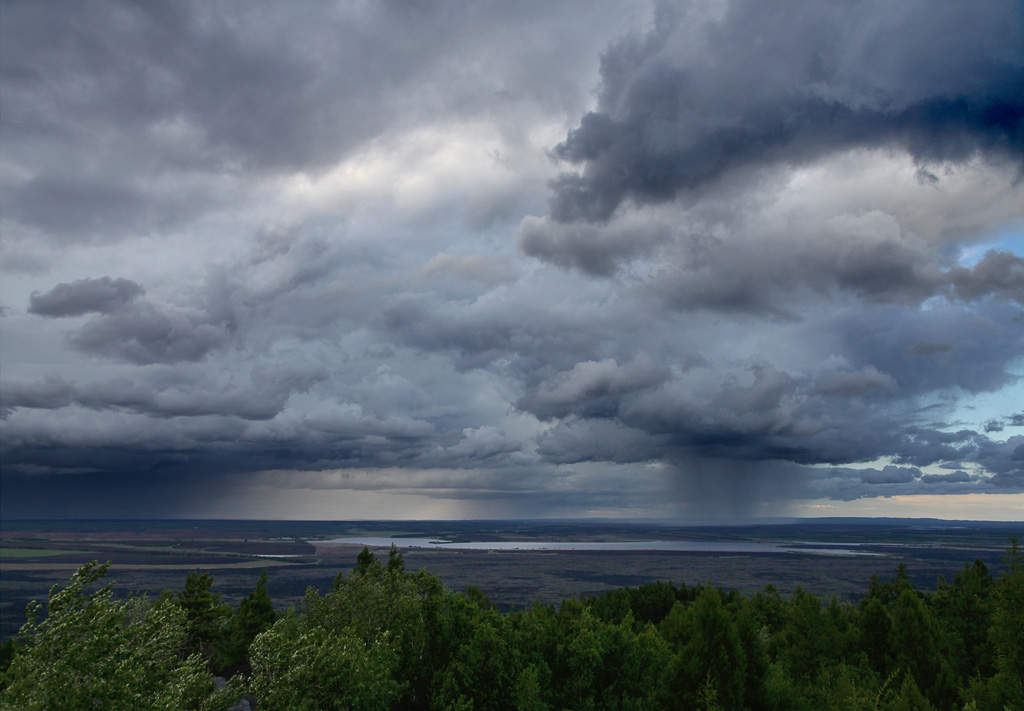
{"x": 150, "y": 556}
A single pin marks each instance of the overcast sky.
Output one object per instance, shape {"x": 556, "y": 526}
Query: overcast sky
{"x": 481, "y": 259}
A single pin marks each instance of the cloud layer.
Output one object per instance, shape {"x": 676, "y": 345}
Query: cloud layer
{"x": 680, "y": 259}
{"x": 711, "y": 90}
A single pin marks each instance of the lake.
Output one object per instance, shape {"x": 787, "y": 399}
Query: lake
{"x": 680, "y": 546}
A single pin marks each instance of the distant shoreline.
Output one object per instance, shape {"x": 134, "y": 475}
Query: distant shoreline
{"x": 681, "y": 546}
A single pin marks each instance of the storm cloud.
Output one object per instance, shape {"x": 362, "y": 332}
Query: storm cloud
{"x": 714, "y": 89}
{"x": 84, "y": 296}
{"x": 673, "y": 259}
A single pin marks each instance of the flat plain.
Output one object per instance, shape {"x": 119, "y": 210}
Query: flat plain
{"x": 150, "y": 556}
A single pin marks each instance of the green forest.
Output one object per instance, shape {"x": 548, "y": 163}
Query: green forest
{"x": 385, "y": 638}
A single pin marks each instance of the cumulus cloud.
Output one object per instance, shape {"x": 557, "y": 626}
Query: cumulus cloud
{"x": 149, "y": 333}
{"x": 848, "y": 483}
{"x": 573, "y": 441}
{"x": 483, "y": 444}
{"x": 705, "y": 93}
{"x": 263, "y": 398}
{"x": 592, "y": 389}
{"x": 845, "y": 383}
{"x": 957, "y": 477}
{"x": 998, "y": 273}
{"x": 593, "y": 249}
{"x": 84, "y": 296}
{"x": 890, "y": 475}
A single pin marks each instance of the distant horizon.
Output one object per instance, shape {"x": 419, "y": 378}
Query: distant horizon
{"x": 595, "y": 520}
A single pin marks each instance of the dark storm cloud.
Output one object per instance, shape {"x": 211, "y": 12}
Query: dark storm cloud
{"x": 834, "y": 414}
{"x": 926, "y": 348}
{"x": 633, "y": 408}
{"x": 998, "y": 273}
{"x": 143, "y": 331}
{"x": 229, "y": 81}
{"x": 65, "y": 203}
{"x": 783, "y": 83}
{"x": 957, "y": 477}
{"x": 48, "y": 394}
{"x": 324, "y": 309}
{"x": 890, "y": 475}
{"x": 576, "y": 440}
{"x": 848, "y": 484}
{"x": 148, "y": 333}
{"x": 733, "y": 273}
{"x": 933, "y": 349}
{"x": 759, "y": 279}
{"x": 592, "y": 249}
{"x": 1004, "y": 459}
{"x": 84, "y": 296}
{"x": 527, "y": 339}
{"x": 126, "y": 119}
{"x": 592, "y": 389}
{"x": 225, "y": 433}
{"x": 846, "y": 383}
{"x": 212, "y": 445}
{"x": 264, "y": 397}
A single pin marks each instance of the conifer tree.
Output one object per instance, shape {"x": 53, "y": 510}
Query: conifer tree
{"x": 367, "y": 563}
{"x": 255, "y": 615}
{"x": 395, "y": 562}
{"x": 711, "y": 654}
{"x": 1008, "y": 628}
{"x": 207, "y": 620}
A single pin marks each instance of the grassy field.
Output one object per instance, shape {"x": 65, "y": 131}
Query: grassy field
{"x": 150, "y": 556}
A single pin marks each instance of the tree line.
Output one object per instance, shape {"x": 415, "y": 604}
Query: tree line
{"x": 384, "y": 638}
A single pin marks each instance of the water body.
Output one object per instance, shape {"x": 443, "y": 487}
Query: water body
{"x": 278, "y": 555}
{"x": 681, "y": 546}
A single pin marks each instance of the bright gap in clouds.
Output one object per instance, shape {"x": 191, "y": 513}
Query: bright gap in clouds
{"x": 965, "y": 507}
{"x": 1013, "y": 242}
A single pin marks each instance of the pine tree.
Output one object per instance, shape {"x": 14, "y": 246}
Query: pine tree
{"x": 395, "y": 562}
{"x": 207, "y": 620}
{"x": 711, "y": 653}
{"x": 255, "y": 615}
{"x": 367, "y": 563}
{"x": 916, "y": 647}
{"x": 1008, "y": 628}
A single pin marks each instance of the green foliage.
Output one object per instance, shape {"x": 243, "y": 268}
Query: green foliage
{"x": 299, "y": 665}
{"x": 710, "y": 654}
{"x": 395, "y": 562}
{"x": 383, "y": 638}
{"x": 1007, "y": 631}
{"x": 207, "y": 621}
{"x": 255, "y": 615}
{"x": 873, "y": 625}
{"x": 963, "y": 611}
{"x": 910, "y": 698}
{"x": 92, "y": 652}
{"x": 529, "y": 695}
{"x": 479, "y": 598}
{"x": 481, "y": 668}
{"x": 915, "y": 645}
{"x": 8, "y": 650}
{"x": 367, "y": 564}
